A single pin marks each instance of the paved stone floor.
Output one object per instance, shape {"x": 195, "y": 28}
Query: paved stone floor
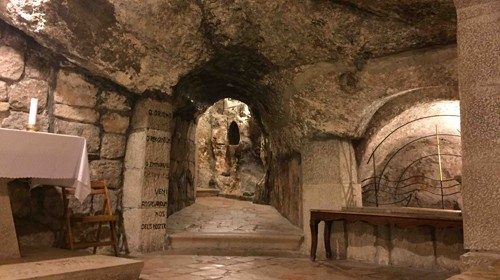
{"x": 217, "y": 214}
{"x": 180, "y": 267}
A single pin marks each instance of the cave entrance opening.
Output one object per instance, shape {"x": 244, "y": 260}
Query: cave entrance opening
{"x": 229, "y": 151}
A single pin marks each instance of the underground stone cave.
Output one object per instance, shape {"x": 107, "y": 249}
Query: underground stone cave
{"x": 173, "y": 139}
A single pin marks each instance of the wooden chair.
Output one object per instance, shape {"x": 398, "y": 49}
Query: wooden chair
{"x": 100, "y": 217}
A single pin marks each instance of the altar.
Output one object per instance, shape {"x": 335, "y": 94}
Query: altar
{"x": 46, "y": 159}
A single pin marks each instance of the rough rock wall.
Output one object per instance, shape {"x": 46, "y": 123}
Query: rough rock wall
{"x": 232, "y": 169}
{"x": 259, "y": 48}
{"x": 70, "y": 102}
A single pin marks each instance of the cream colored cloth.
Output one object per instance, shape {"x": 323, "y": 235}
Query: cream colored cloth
{"x": 49, "y": 159}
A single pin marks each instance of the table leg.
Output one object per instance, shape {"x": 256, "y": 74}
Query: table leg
{"x": 8, "y": 238}
{"x": 314, "y": 238}
{"x": 326, "y": 235}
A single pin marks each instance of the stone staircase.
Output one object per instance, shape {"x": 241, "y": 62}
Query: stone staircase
{"x": 203, "y": 192}
{"x": 223, "y": 226}
{"x": 235, "y": 244}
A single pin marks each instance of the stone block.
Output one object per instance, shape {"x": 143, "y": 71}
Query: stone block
{"x": 38, "y": 66}
{"x": 72, "y": 89}
{"x": 132, "y": 187}
{"x": 114, "y": 101}
{"x": 362, "y": 240}
{"x": 383, "y": 245}
{"x": 20, "y": 94}
{"x": 115, "y": 123}
{"x": 153, "y": 114}
{"x": 3, "y": 92}
{"x": 113, "y": 146}
{"x": 449, "y": 248}
{"x": 157, "y": 148}
{"x": 155, "y": 186}
{"x": 3, "y": 114}
{"x": 338, "y": 241}
{"x": 110, "y": 170}
{"x": 88, "y": 131}
{"x": 412, "y": 247}
{"x": 85, "y": 115}
{"x": 321, "y": 162}
{"x": 136, "y": 150}
{"x": 18, "y": 120}
{"x": 4, "y": 107}
{"x": 145, "y": 229}
{"x": 11, "y": 63}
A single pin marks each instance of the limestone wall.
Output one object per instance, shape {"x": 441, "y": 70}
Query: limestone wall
{"x": 329, "y": 181}
{"x": 420, "y": 247}
{"x": 70, "y": 102}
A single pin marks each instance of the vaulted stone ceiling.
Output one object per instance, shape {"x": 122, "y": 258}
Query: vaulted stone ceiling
{"x": 277, "y": 54}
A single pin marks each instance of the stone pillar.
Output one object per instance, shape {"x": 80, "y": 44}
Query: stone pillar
{"x": 329, "y": 181}
{"x": 145, "y": 189}
{"x": 479, "y": 84}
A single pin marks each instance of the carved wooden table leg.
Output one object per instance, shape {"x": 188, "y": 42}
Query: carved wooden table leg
{"x": 9, "y": 248}
{"x": 326, "y": 234}
{"x": 314, "y": 238}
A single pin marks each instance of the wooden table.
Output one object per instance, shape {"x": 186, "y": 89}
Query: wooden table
{"x": 438, "y": 219}
{"x": 49, "y": 159}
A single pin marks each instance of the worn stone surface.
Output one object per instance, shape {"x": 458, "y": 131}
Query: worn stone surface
{"x": 160, "y": 266}
{"x": 3, "y": 92}
{"x": 4, "y": 110}
{"x": 19, "y": 120}
{"x": 113, "y": 146}
{"x": 479, "y": 76}
{"x": 150, "y": 113}
{"x": 20, "y": 94}
{"x": 110, "y": 170}
{"x": 88, "y": 131}
{"x": 412, "y": 247}
{"x": 223, "y": 215}
{"x": 115, "y": 123}
{"x": 84, "y": 115}
{"x": 73, "y": 89}
{"x": 449, "y": 248}
{"x": 39, "y": 65}
{"x": 11, "y": 63}
{"x": 114, "y": 101}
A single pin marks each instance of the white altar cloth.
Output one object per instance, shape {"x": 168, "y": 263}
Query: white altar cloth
{"x": 48, "y": 159}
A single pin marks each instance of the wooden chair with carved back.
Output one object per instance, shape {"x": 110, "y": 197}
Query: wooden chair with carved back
{"x": 100, "y": 217}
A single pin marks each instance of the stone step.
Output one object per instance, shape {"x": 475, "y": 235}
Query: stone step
{"x": 96, "y": 267}
{"x": 235, "y": 243}
{"x": 201, "y": 192}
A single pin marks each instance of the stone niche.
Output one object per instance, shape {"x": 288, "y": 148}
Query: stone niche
{"x": 412, "y": 151}
{"x": 70, "y": 102}
{"x": 229, "y": 150}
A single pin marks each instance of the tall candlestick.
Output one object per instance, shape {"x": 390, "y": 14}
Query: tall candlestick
{"x": 33, "y": 110}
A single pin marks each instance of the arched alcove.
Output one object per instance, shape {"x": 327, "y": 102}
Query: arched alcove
{"x": 233, "y": 134}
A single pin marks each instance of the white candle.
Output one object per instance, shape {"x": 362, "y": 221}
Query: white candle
{"x": 33, "y": 109}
